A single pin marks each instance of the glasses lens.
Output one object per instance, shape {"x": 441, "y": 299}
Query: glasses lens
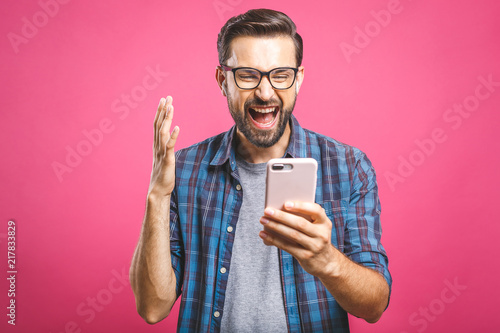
{"x": 282, "y": 78}
{"x": 247, "y": 78}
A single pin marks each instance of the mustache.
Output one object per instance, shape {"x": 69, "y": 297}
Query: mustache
{"x": 259, "y": 102}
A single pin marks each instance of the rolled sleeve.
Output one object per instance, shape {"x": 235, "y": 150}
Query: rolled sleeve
{"x": 363, "y": 229}
{"x": 176, "y": 246}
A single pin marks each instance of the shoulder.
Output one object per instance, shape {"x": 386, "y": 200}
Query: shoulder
{"x": 203, "y": 151}
{"x": 328, "y": 148}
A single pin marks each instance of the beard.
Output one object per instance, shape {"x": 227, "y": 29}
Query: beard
{"x": 258, "y": 137}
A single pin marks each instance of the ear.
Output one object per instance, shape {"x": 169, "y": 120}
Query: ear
{"x": 299, "y": 79}
{"x": 220, "y": 78}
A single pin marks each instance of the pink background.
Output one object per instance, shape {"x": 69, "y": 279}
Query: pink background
{"x": 76, "y": 232}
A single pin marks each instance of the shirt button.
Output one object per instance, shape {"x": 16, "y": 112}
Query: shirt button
{"x": 229, "y": 229}
{"x": 238, "y": 187}
{"x": 223, "y": 270}
{"x": 216, "y": 314}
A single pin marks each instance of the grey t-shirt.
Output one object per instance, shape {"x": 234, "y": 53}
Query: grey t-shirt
{"x": 254, "y": 298}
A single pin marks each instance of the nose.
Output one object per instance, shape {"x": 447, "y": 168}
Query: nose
{"x": 264, "y": 90}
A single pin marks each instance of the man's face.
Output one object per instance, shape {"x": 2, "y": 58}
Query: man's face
{"x": 261, "y": 114}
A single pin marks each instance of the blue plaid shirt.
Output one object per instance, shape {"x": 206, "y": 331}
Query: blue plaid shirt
{"x": 203, "y": 220}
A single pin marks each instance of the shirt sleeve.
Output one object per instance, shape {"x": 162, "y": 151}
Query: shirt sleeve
{"x": 176, "y": 245}
{"x": 363, "y": 230}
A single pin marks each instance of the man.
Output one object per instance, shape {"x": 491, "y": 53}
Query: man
{"x": 200, "y": 236}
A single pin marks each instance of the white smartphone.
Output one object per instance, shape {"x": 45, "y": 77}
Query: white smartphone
{"x": 290, "y": 179}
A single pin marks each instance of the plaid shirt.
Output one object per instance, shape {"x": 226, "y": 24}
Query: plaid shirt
{"x": 203, "y": 220}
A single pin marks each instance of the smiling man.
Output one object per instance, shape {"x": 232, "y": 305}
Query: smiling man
{"x": 206, "y": 235}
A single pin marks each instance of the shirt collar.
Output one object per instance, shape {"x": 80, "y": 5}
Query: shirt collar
{"x": 296, "y": 146}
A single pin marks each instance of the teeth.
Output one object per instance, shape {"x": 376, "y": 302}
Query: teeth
{"x": 267, "y": 110}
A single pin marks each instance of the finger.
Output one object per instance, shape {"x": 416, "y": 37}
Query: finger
{"x": 269, "y": 239}
{"x": 169, "y": 154}
{"x": 158, "y": 110}
{"x": 315, "y": 211}
{"x": 173, "y": 138}
{"x": 165, "y": 127}
{"x": 281, "y": 219}
{"x": 169, "y": 113}
{"x": 155, "y": 124}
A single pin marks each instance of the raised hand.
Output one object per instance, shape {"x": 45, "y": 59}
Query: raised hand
{"x": 163, "y": 173}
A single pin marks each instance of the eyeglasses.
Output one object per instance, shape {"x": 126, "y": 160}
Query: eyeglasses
{"x": 248, "y": 78}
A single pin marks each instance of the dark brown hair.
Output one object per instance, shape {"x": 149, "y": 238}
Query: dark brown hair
{"x": 258, "y": 23}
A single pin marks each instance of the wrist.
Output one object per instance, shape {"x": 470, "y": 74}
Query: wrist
{"x": 155, "y": 199}
{"x": 157, "y": 209}
{"x": 336, "y": 266}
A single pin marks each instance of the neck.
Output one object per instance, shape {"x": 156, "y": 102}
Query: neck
{"x": 254, "y": 154}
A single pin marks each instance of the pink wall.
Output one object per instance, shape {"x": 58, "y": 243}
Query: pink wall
{"x": 411, "y": 90}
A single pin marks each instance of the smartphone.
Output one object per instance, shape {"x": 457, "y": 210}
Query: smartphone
{"x": 290, "y": 179}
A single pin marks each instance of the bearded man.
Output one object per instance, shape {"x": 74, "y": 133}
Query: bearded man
{"x": 206, "y": 235}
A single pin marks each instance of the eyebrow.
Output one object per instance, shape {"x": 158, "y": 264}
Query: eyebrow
{"x": 249, "y": 67}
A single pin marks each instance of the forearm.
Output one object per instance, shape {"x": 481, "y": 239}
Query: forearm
{"x": 151, "y": 275}
{"x": 361, "y": 291}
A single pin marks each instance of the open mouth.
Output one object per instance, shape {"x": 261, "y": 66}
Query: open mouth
{"x": 264, "y": 117}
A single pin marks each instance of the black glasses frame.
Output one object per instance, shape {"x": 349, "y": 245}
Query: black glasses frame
{"x": 262, "y": 74}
